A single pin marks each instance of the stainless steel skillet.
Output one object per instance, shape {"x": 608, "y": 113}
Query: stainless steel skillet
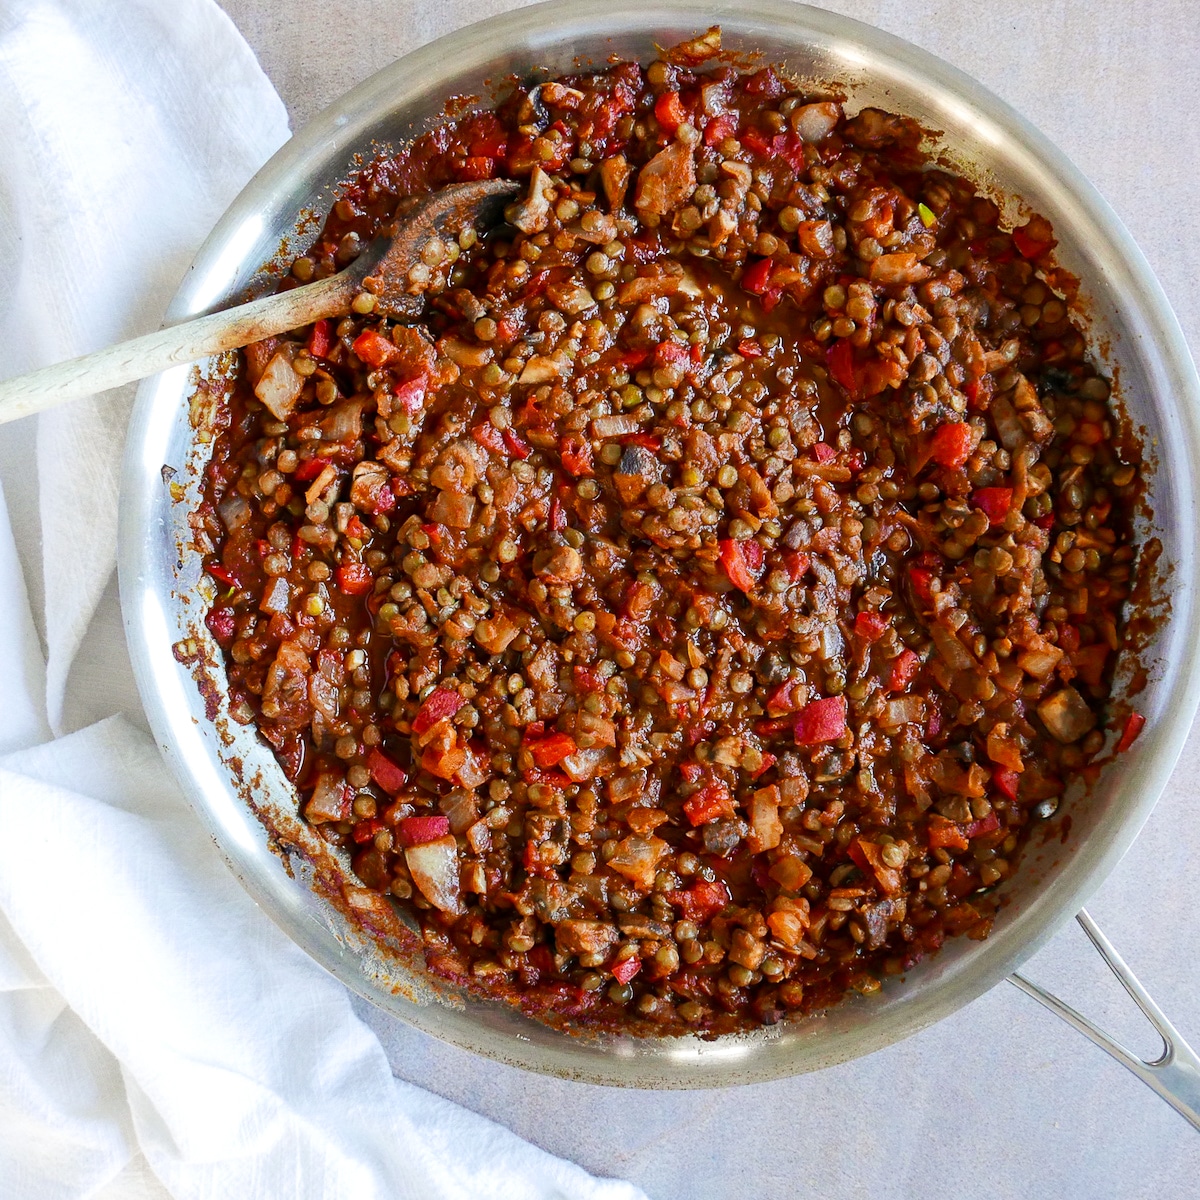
{"x": 234, "y": 782}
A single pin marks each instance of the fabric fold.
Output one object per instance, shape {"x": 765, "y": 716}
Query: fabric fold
{"x": 117, "y": 163}
{"x": 241, "y": 1059}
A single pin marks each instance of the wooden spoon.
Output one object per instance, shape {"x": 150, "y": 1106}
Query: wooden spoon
{"x": 381, "y": 269}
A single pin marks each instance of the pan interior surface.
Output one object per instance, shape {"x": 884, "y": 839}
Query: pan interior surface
{"x": 232, "y": 778}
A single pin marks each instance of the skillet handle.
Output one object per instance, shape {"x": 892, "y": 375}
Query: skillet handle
{"x": 1175, "y": 1074}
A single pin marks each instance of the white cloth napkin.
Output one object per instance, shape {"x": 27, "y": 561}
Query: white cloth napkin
{"x": 158, "y": 1034}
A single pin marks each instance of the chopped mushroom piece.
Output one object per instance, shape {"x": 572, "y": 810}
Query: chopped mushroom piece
{"x": 585, "y": 937}
{"x": 532, "y": 214}
{"x": 666, "y": 181}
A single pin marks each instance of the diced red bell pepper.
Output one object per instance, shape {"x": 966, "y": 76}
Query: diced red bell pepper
{"x": 222, "y": 574}
{"x": 921, "y": 578}
{"x": 541, "y": 959}
{"x": 517, "y": 444}
{"x": 749, "y": 348}
{"x": 758, "y": 143}
{"x": 823, "y": 452}
{"x": 702, "y": 901}
{"x": 821, "y": 721}
{"x": 649, "y": 441}
{"x": 769, "y": 728}
{"x": 364, "y": 831}
{"x": 551, "y": 750}
{"x": 708, "y": 804}
{"x": 670, "y": 112}
{"x": 489, "y": 138}
{"x": 735, "y": 558}
{"x": 626, "y": 969}
{"x": 1028, "y": 242}
{"x": 489, "y": 437}
{"x": 1134, "y": 724}
{"x": 870, "y": 626}
{"x": 946, "y": 834}
{"x": 720, "y": 128}
{"x": 308, "y": 470}
{"x": 691, "y": 771}
{"x": 535, "y": 285}
{"x": 792, "y": 152}
{"x": 374, "y": 349}
{"x": 951, "y": 445}
{"x": 354, "y": 578}
{"x": 1007, "y": 782}
{"x": 757, "y": 277}
{"x": 771, "y": 297}
{"x": 587, "y": 678}
{"x": 558, "y": 516}
{"x": 387, "y": 774}
{"x": 475, "y": 167}
{"x": 768, "y": 761}
{"x": 904, "y": 670}
{"x": 669, "y": 352}
{"x": 222, "y": 624}
{"x": 576, "y": 455}
{"x": 554, "y": 779}
{"x": 988, "y": 824}
{"x": 410, "y": 393}
{"x": 416, "y": 831}
{"x": 439, "y": 704}
{"x": 320, "y": 339}
{"x": 840, "y": 360}
{"x": 782, "y": 699}
{"x": 796, "y": 563}
{"x": 994, "y": 501}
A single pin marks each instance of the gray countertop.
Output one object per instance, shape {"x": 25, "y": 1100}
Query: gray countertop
{"x": 999, "y": 1100}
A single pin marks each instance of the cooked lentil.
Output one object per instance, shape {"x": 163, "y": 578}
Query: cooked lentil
{"x": 687, "y": 621}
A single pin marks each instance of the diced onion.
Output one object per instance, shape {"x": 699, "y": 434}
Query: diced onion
{"x": 277, "y": 597}
{"x": 434, "y": 869}
{"x": 280, "y": 386}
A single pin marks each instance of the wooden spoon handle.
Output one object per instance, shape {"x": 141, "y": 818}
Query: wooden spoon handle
{"x": 185, "y": 343}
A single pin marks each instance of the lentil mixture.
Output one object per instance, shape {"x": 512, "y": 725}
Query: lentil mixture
{"x": 687, "y": 621}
